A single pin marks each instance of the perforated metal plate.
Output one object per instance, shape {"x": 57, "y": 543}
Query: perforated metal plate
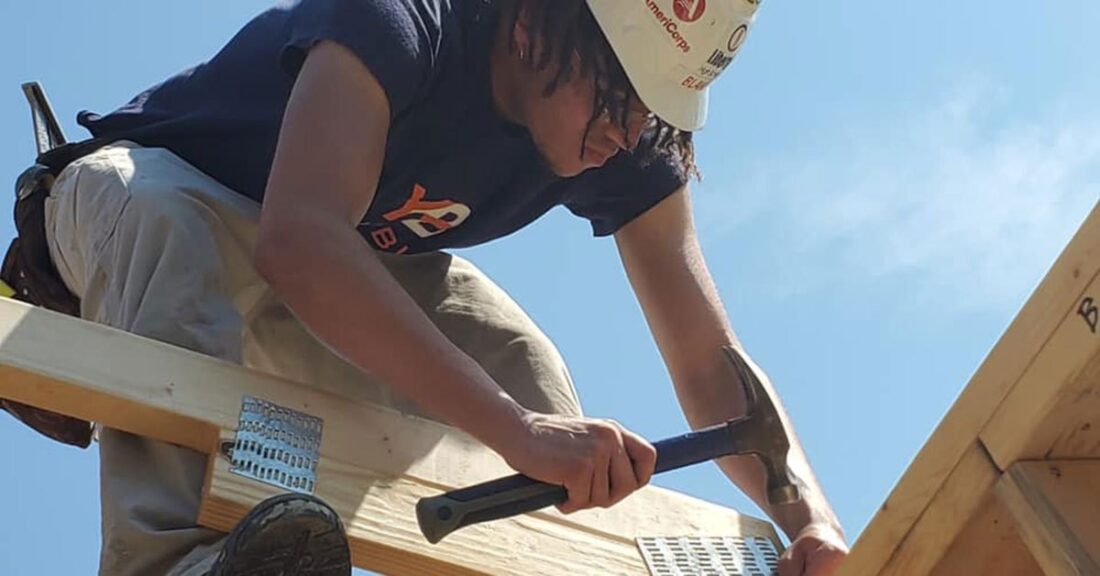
{"x": 277, "y": 445}
{"x": 709, "y": 556}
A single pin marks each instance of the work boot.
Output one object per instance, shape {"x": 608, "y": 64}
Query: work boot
{"x": 286, "y": 535}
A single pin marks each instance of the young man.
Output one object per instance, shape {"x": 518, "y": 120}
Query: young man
{"x": 284, "y": 205}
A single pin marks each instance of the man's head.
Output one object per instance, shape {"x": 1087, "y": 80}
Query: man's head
{"x": 588, "y": 77}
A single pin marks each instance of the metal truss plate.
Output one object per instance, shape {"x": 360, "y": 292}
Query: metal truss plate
{"x": 277, "y": 445}
{"x": 709, "y": 556}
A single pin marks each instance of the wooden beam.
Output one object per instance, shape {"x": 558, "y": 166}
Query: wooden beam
{"x": 1053, "y": 411}
{"x": 1056, "y": 298}
{"x": 946, "y": 515}
{"x": 375, "y": 461}
{"x": 989, "y": 545}
{"x": 385, "y": 536}
{"x": 1056, "y": 508}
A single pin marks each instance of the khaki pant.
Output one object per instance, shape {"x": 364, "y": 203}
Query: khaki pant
{"x": 153, "y": 246}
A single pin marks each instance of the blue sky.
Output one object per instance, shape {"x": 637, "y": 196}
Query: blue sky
{"x": 885, "y": 183}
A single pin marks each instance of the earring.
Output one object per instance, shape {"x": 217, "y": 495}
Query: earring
{"x": 522, "y": 54}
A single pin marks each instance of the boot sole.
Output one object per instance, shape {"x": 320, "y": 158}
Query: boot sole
{"x": 287, "y": 535}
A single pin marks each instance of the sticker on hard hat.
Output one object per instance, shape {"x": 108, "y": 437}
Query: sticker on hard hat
{"x": 669, "y": 25}
{"x": 689, "y": 10}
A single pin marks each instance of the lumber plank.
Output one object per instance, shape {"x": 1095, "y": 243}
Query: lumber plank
{"x": 1028, "y": 334}
{"x": 133, "y": 383}
{"x": 1056, "y": 508}
{"x": 375, "y": 461}
{"x": 946, "y": 516}
{"x": 1054, "y": 410}
{"x": 91, "y": 404}
{"x": 379, "y": 513}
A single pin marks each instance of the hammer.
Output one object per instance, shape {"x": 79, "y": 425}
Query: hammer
{"x": 759, "y": 432}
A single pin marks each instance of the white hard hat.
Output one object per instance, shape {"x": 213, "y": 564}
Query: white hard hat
{"x": 672, "y": 50}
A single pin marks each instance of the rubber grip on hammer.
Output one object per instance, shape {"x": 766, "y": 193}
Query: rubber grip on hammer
{"x": 518, "y": 494}
{"x": 492, "y": 500}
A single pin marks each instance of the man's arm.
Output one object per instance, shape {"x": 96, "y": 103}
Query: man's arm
{"x": 665, "y": 265}
{"x": 323, "y": 180}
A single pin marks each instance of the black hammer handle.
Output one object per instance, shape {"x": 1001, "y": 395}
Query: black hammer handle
{"x": 440, "y": 515}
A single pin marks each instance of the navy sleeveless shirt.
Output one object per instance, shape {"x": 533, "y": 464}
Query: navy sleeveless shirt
{"x": 455, "y": 173}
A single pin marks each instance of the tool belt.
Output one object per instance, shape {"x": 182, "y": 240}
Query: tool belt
{"x": 28, "y": 272}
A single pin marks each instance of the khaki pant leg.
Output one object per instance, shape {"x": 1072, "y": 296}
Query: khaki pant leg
{"x": 148, "y": 255}
{"x": 489, "y": 326}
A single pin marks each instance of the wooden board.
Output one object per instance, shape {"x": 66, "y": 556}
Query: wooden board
{"x": 385, "y": 536}
{"x": 989, "y": 545}
{"x": 1055, "y": 300}
{"x": 378, "y": 460}
{"x": 946, "y": 515}
{"x": 1053, "y": 411}
{"x": 1056, "y": 508}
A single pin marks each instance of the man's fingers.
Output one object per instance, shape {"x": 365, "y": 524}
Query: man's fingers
{"x": 623, "y": 479}
{"x": 786, "y": 567}
{"x": 824, "y": 560}
{"x": 618, "y": 463}
{"x": 580, "y": 493}
{"x": 601, "y": 483}
{"x": 643, "y": 456}
{"x": 793, "y": 561}
{"x": 816, "y": 551}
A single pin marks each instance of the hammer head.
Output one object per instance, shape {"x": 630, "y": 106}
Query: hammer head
{"x": 761, "y": 432}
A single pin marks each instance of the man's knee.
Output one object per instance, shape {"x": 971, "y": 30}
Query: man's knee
{"x": 484, "y": 321}
{"x": 530, "y": 368}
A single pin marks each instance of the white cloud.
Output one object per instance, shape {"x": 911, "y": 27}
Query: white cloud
{"x": 965, "y": 202}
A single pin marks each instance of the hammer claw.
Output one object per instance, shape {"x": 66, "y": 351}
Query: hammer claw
{"x": 761, "y": 432}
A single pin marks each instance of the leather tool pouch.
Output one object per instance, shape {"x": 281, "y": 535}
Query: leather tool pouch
{"x": 27, "y": 267}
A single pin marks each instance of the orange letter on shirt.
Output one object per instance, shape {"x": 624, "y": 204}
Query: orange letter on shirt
{"x": 429, "y": 217}
{"x": 384, "y": 238}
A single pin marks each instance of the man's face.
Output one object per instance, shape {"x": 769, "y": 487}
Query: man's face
{"x": 558, "y": 122}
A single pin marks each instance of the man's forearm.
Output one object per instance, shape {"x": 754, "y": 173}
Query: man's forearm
{"x": 813, "y": 508}
{"x": 711, "y": 397}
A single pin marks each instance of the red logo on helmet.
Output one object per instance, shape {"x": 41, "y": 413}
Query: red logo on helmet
{"x": 689, "y": 10}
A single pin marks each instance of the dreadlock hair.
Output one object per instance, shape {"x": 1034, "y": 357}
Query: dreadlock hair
{"x": 567, "y": 27}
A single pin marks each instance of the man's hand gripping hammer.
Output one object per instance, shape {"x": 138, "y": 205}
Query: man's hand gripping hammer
{"x": 759, "y": 432}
